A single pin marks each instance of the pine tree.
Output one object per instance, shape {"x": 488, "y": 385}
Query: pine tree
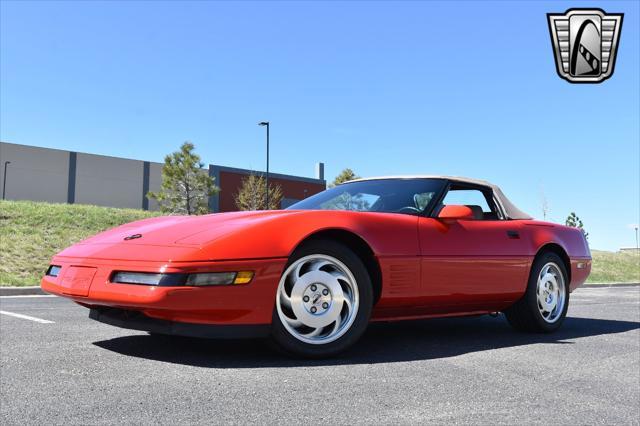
{"x": 574, "y": 221}
{"x": 345, "y": 176}
{"x": 252, "y": 195}
{"x": 186, "y": 188}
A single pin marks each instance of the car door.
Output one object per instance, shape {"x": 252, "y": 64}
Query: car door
{"x": 478, "y": 264}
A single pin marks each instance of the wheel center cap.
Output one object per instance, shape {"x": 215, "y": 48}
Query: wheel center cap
{"x": 547, "y": 295}
{"x": 548, "y": 299}
{"x": 317, "y": 298}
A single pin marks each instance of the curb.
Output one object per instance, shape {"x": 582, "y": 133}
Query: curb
{"x": 605, "y": 285}
{"x": 21, "y": 291}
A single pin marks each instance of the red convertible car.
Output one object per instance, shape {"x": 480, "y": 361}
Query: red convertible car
{"x": 313, "y": 276}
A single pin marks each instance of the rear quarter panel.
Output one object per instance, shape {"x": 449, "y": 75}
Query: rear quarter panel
{"x": 571, "y": 240}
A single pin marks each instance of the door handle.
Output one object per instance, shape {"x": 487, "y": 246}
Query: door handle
{"x": 513, "y": 234}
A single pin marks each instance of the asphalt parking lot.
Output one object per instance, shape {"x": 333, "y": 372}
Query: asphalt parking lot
{"x": 471, "y": 370}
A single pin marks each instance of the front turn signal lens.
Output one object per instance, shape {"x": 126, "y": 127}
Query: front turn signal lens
{"x": 243, "y": 277}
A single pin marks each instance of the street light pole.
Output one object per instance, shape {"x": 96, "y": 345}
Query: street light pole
{"x": 4, "y": 179}
{"x": 266, "y": 123}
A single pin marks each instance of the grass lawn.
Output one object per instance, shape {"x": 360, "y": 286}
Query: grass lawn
{"x": 609, "y": 267}
{"x": 32, "y": 232}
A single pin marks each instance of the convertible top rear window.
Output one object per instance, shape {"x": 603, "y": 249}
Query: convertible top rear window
{"x": 409, "y": 196}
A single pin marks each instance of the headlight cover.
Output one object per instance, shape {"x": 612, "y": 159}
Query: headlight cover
{"x": 182, "y": 280}
{"x": 145, "y": 278}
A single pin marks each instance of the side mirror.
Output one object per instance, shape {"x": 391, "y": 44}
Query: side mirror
{"x": 455, "y": 212}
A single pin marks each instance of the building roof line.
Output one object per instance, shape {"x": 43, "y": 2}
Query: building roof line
{"x": 271, "y": 174}
{"x": 207, "y": 166}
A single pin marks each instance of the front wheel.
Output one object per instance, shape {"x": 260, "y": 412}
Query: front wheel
{"x": 323, "y": 302}
{"x": 544, "y": 304}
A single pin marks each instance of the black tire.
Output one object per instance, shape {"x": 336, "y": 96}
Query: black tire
{"x": 289, "y": 344}
{"x": 525, "y": 315}
{"x": 159, "y": 335}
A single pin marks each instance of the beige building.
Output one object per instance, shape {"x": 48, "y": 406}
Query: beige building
{"x": 44, "y": 174}
{"x": 53, "y": 175}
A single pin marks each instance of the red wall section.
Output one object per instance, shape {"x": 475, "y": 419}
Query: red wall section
{"x": 230, "y": 183}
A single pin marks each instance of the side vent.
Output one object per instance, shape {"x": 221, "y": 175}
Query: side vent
{"x": 403, "y": 277}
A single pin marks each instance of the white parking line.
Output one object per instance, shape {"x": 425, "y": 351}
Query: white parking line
{"x": 17, "y": 296}
{"x": 27, "y": 317}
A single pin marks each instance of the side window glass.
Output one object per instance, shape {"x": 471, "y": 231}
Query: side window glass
{"x": 467, "y": 197}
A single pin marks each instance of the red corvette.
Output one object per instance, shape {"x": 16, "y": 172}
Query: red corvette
{"x": 312, "y": 277}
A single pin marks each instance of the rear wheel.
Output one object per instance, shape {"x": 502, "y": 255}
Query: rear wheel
{"x": 323, "y": 302}
{"x": 544, "y": 305}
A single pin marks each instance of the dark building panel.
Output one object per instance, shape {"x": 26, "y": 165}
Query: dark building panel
{"x": 71, "y": 190}
{"x": 145, "y": 185}
{"x": 293, "y": 189}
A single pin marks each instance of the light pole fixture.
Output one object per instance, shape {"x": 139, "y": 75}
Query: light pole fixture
{"x": 266, "y": 123}
{"x": 4, "y": 179}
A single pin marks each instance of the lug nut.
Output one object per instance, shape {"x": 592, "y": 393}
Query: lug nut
{"x": 313, "y": 310}
{"x": 306, "y": 299}
{"x": 325, "y": 292}
{"x": 325, "y": 305}
{"x": 313, "y": 287}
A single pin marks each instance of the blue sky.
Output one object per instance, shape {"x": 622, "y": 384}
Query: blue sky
{"x": 466, "y": 88}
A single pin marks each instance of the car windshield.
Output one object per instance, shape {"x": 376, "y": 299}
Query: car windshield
{"x": 410, "y": 196}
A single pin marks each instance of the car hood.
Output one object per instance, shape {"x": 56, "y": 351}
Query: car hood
{"x": 182, "y": 230}
{"x": 176, "y": 235}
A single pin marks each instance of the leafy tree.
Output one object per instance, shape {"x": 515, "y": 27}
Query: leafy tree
{"x": 345, "y": 176}
{"x": 574, "y": 221}
{"x": 346, "y": 200}
{"x": 252, "y": 195}
{"x": 186, "y": 188}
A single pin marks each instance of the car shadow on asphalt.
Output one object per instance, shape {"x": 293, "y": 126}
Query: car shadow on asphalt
{"x": 382, "y": 343}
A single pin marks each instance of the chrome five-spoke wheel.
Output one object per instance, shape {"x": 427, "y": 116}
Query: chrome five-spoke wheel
{"x": 550, "y": 292}
{"x": 317, "y": 299}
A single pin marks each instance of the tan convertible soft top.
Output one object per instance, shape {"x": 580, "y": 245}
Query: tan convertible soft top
{"x": 508, "y": 207}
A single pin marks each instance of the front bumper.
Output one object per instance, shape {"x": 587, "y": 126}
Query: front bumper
{"x": 247, "y": 304}
{"x": 136, "y": 320}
